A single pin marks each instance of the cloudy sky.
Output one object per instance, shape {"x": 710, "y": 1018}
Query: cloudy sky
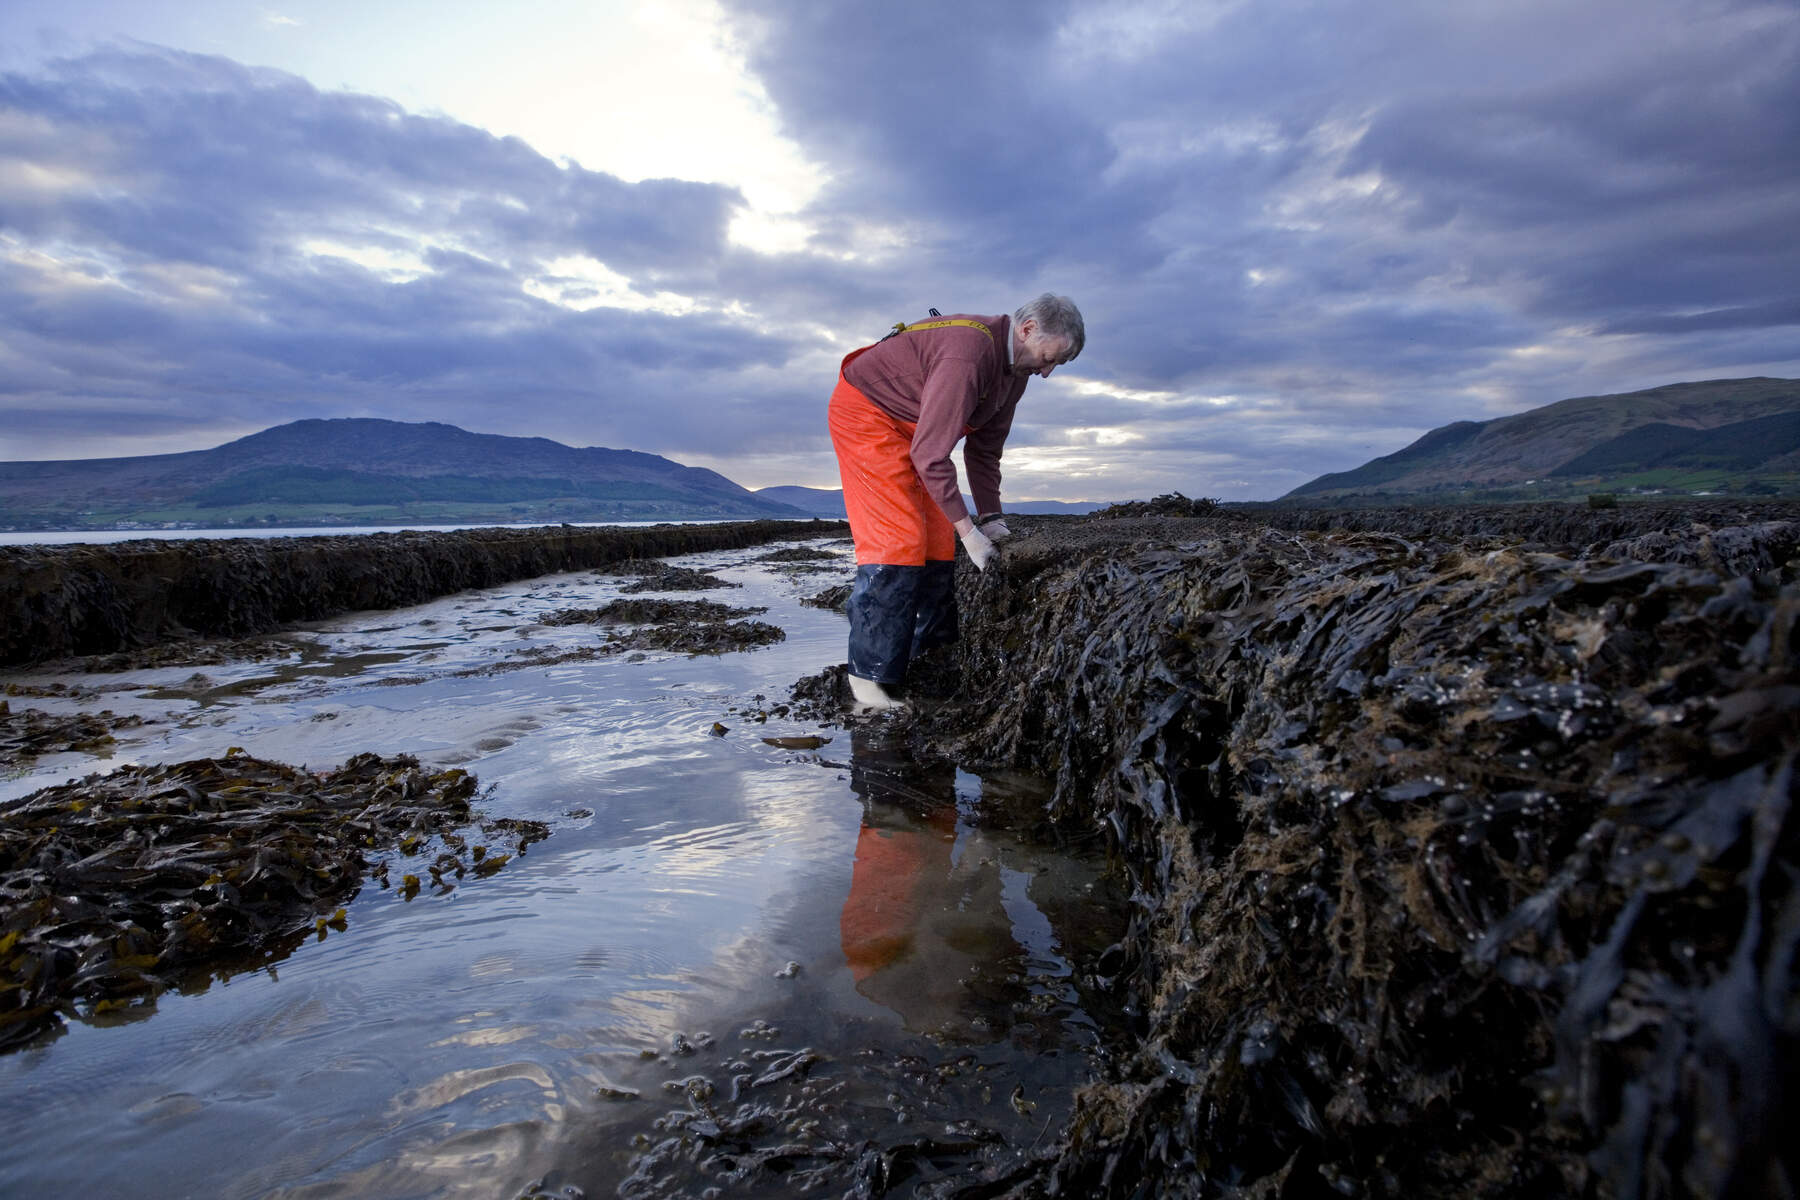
{"x": 1303, "y": 232}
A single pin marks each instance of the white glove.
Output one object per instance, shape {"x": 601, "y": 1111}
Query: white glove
{"x": 980, "y": 549}
{"x": 995, "y": 529}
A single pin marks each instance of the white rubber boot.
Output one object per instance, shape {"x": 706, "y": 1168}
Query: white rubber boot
{"x": 870, "y": 695}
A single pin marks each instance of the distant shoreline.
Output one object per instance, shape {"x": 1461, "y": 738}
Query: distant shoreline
{"x": 60, "y": 601}
{"x": 106, "y": 537}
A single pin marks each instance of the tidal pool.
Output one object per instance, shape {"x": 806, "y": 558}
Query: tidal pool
{"x": 736, "y": 963}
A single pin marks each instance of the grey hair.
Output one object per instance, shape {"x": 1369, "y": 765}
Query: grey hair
{"x": 1056, "y": 316}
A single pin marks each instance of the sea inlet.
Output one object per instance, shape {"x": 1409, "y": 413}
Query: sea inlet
{"x": 744, "y": 952}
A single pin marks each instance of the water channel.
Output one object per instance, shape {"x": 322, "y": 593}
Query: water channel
{"x": 755, "y": 954}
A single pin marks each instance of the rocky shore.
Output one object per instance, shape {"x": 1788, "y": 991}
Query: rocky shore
{"x": 1463, "y": 858}
{"x": 57, "y": 601}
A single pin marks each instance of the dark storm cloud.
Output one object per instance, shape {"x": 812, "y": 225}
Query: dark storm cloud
{"x": 217, "y": 156}
{"x": 1781, "y": 312}
{"x": 1647, "y": 188}
{"x": 932, "y": 107}
{"x": 188, "y": 232}
{"x": 1303, "y": 231}
{"x": 1371, "y": 219}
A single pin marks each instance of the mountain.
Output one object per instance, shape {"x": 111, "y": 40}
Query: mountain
{"x": 822, "y": 503}
{"x": 817, "y": 501}
{"x": 1722, "y": 434}
{"x": 363, "y": 470}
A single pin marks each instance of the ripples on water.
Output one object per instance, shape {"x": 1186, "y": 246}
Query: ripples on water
{"x": 732, "y": 964}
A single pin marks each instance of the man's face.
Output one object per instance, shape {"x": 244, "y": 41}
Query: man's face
{"x": 1038, "y": 353}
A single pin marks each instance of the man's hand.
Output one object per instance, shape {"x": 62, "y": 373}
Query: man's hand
{"x": 981, "y": 550}
{"x": 993, "y": 526}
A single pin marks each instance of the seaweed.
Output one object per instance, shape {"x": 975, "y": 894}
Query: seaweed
{"x": 1170, "y": 504}
{"x": 798, "y": 554}
{"x": 657, "y": 576}
{"x": 701, "y": 637}
{"x": 59, "y": 601}
{"x": 646, "y": 612}
{"x": 1461, "y": 866}
{"x": 835, "y": 598}
{"x": 1543, "y": 523}
{"x": 189, "y": 653}
{"x": 30, "y": 732}
{"x": 118, "y": 887}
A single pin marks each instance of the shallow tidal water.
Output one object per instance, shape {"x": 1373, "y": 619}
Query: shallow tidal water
{"x": 733, "y": 965}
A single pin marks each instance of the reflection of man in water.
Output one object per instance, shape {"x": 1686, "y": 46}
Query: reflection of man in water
{"x": 924, "y": 928}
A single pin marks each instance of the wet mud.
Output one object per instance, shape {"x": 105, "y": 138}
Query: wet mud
{"x": 1463, "y": 860}
{"x": 118, "y": 887}
{"x": 59, "y": 601}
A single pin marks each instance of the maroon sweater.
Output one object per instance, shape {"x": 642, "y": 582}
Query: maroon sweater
{"x": 948, "y": 381}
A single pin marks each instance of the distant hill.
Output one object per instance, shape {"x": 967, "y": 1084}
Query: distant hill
{"x": 1721, "y": 435}
{"x": 363, "y": 470}
{"x": 822, "y": 503}
{"x": 816, "y": 501}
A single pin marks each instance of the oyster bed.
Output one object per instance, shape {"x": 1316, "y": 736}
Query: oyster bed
{"x": 1463, "y": 864}
{"x": 99, "y": 599}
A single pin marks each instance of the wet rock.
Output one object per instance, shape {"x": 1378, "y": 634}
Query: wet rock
{"x": 118, "y": 887}
{"x": 1463, "y": 865}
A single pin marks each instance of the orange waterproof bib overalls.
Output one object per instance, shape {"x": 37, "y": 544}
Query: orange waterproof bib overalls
{"x": 903, "y": 602}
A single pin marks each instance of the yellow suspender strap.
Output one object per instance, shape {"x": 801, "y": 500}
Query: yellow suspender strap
{"x": 903, "y": 327}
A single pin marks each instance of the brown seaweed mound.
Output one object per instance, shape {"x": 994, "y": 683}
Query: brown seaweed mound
{"x": 1170, "y": 504}
{"x": 657, "y": 576}
{"x": 644, "y": 612}
{"x": 189, "y": 653}
{"x": 117, "y": 887}
{"x": 798, "y": 554}
{"x": 833, "y": 597}
{"x": 30, "y": 732}
{"x": 1459, "y": 871}
{"x": 681, "y": 626}
{"x": 1545, "y": 524}
{"x": 58, "y": 601}
{"x": 702, "y": 637}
